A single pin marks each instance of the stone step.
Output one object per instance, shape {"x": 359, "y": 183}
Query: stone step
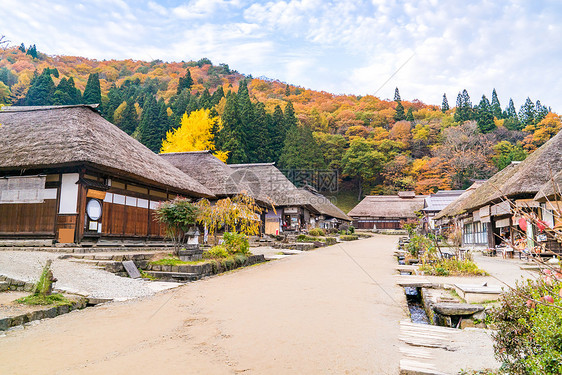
{"x": 413, "y": 367}
{"x": 174, "y": 276}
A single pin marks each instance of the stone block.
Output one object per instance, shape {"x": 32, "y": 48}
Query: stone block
{"x": 51, "y": 313}
{"x": 4, "y": 286}
{"x": 5, "y": 323}
{"x": 37, "y": 315}
{"x": 29, "y": 287}
{"x": 131, "y": 269}
{"x": 63, "y": 309}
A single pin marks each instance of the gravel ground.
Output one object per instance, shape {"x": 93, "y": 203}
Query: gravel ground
{"x": 76, "y": 277}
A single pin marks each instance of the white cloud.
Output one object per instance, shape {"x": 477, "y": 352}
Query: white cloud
{"x": 350, "y": 46}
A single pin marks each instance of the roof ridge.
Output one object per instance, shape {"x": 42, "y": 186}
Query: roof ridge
{"x": 31, "y": 108}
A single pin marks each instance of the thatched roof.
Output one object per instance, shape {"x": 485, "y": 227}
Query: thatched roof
{"x": 552, "y": 189}
{"x": 388, "y": 206}
{"x": 209, "y": 171}
{"x": 268, "y": 181}
{"x": 459, "y": 205}
{"x": 322, "y": 205}
{"x": 59, "y": 136}
{"x": 526, "y": 178}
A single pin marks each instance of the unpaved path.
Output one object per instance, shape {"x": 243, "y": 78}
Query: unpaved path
{"x": 335, "y": 310}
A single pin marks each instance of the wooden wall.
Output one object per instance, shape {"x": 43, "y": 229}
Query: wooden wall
{"x": 28, "y": 218}
{"x": 123, "y": 220}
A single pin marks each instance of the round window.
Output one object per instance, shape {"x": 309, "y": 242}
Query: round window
{"x": 93, "y": 209}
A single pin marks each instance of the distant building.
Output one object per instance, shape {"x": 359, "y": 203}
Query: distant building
{"x": 436, "y": 202}
{"x": 387, "y": 211}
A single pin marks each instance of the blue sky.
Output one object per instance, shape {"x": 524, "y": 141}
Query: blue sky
{"x": 347, "y": 47}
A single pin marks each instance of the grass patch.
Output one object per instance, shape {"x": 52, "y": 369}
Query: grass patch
{"x": 52, "y": 299}
{"x": 349, "y": 237}
{"x": 346, "y": 199}
{"x": 452, "y": 267}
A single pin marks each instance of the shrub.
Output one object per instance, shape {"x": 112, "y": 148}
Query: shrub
{"x": 316, "y": 232}
{"x": 452, "y": 267}
{"x": 528, "y": 339}
{"x": 236, "y": 243}
{"x": 349, "y": 237}
{"x": 218, "y": 251}
{"x": 351, "y": 229}
{"x": 177, "y": 216}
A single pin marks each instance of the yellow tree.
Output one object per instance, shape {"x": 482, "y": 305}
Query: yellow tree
{"x": 194, "y": 134}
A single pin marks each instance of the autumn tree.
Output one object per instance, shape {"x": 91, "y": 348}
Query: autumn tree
{"x": 506, "y": 152}
{"x": 194, "y": 134}
{"x": 467, "y": 153}
{"x": 542, "y": 131}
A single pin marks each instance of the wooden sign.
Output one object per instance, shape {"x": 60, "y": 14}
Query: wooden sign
{"x": 96, "y": 194}
{"x": 131, "y": 269}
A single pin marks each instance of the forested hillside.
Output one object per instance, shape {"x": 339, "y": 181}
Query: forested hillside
{"x": 378, "y": 146}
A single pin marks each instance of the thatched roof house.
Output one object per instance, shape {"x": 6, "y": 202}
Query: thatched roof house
{"x": 386, "y": 211}
{"x": 64, "y": 136}
{"x": 208, "y": 170}
{"x": 68, "y": 175}
{"x": 295, "y": 208}
{"x": 323, "y": 206}
{"x": 523, "y": 180}
{"x": 268, "y": 181}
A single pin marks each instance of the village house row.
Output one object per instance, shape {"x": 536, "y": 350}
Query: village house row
{"x": 519, "y": 209}
{"x": 69, "y": 176}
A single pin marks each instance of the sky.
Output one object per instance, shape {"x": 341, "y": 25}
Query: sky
{"x": 423, "y": 47}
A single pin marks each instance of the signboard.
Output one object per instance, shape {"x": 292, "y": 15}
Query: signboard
{"x": 131, "y": 269}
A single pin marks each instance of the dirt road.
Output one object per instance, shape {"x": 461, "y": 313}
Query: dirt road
{"x": 331, "y": 311}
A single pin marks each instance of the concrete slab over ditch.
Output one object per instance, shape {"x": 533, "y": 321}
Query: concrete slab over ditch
{"x": 474, "y": 293}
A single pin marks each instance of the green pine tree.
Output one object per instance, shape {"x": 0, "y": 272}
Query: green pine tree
{"x": 496, "y": 107}
{"x": 445, "y": 104}
{"x": 399, "y": 114}
{"x": 129, "y": 121}
{"x": 527, "y": 113}
{"x": 277, "y": 134}
{"x": 410, "y": 115}
{"x": 511, "y": 119}
{"x": 149, "y": 131}
{"x": 397, "y": 95}
{"x": 464, "y": 111}
{"x": 300, "y": 150}
{"x": 185, "y": 82}
{"x": 92, "y": 92}
{"x": 289, "y": 117}
{"x": 41, "y": 90}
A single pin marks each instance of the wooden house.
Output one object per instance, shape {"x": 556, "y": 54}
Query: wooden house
{"x": 436, "y": 202}
{"x": 67, "y": 175}
{"x": 211, "y": 172}
{"x": 295, "y": 209}
{"x": 325, "y": 215}
{"x": 490, "y": 216}
{"x": 387, "y": 211}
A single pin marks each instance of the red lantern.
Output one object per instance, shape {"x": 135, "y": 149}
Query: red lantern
{"x": 523, "y": 224}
